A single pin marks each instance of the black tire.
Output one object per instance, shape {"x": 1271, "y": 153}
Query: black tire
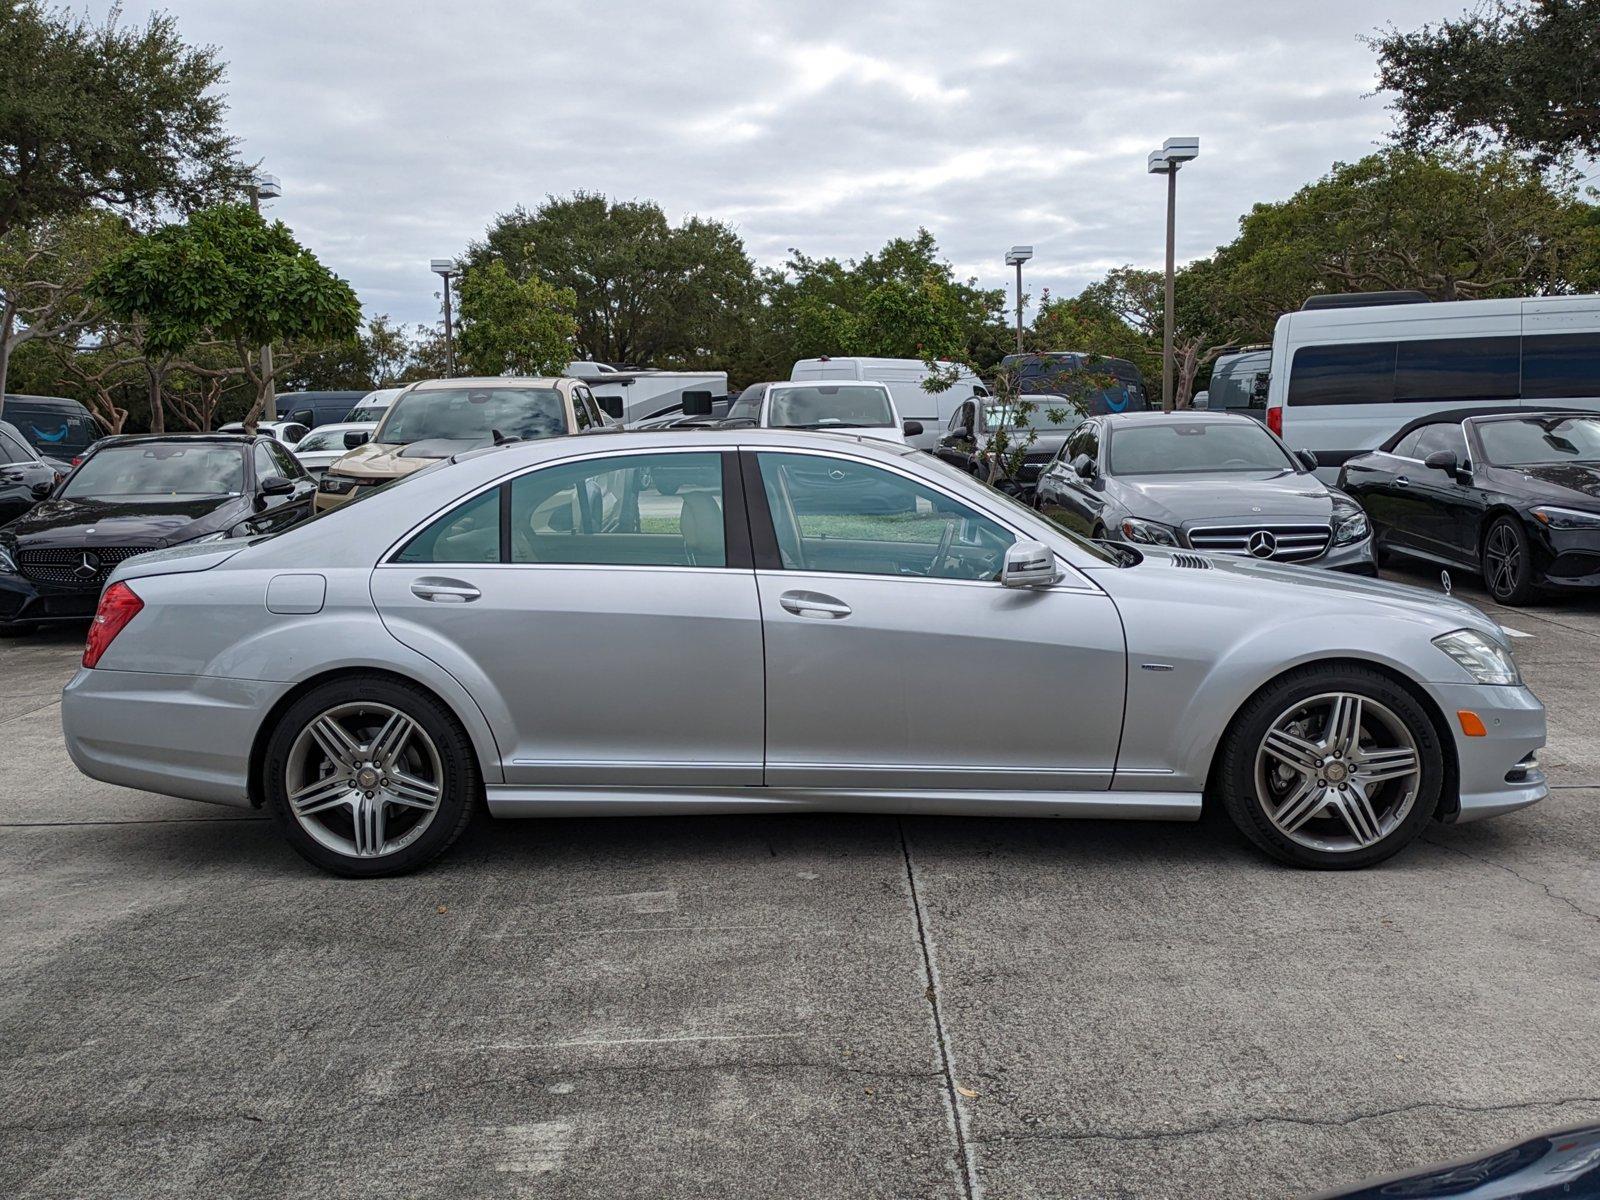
{"x": 1507, "y": 562}
{"x": 461, "y": 785}
{"x": 1234, "y": 782}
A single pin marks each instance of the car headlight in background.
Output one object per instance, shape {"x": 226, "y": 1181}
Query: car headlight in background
{"x": 7, "y": 563}
{"x": 336, "y": 485}
{"x": 1484, "y": 660}
{"x": 1149, "y": 533}
{"x": 1349, "y": 524}
{"x": 1566, "y": 518}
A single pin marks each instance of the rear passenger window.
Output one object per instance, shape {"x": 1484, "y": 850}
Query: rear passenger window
{"x": 1556, "y": 365}
{"x": 1361, "y": 373}
{"x": 661, "y": 510}
{"x": 1450, "y": 369}
{"x": 468, "y": 533}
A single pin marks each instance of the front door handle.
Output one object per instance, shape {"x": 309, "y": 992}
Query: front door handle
{"x": 444, "y": 591}
{"x": 814, "y": 604}
{"x": 1401, "y": 481}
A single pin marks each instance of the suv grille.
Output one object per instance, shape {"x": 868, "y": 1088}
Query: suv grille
{"x": 1279, "y": 543}
{"x": 85, "y": 568}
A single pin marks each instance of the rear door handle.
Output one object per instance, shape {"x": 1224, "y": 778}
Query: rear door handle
{"x": 814, "y": 604}
{"x": 1401, "y": 481}
{"x": 444, "y": 591}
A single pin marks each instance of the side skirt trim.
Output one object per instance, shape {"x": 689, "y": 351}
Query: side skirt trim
{"x": 506, "y": 800}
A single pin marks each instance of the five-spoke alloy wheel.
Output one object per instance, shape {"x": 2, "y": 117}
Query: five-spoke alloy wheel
{"x": 1331, "y": 766}
{"x": 1507, "y": 562}
{"x": 369, "y": 776}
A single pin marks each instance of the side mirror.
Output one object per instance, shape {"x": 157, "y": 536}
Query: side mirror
{"x": 359, "y": 438}
{"x": 277, "y": 485}
{"x": 1201, "y": 401}
{"x": 1441, "y": 460}
{"x": 1083, "y": 467}
{"x": 41, "y": 491}
{"x": 1308, "y": 459}
{"x": 610, "y": 405}
{"x": 911, "y": 428}
{"x": 1029, "y": 564}
{"x": 697, "y": 404}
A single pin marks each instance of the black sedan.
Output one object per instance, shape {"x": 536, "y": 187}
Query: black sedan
{"x": 1035, "y": 425}
{"x": 131, "y": 495}
{"x": 25, "y": 478}
{"x": 1513, "y": 495}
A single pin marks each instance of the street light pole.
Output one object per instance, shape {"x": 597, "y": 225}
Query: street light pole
{"x": 266, "y": 187}
{"x": 1174, "y": 153}
{"x": 447, "y": 269}
{"x": 1015, "y": 257}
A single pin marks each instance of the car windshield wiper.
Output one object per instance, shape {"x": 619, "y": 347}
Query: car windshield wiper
{"x": 833, "y": 425}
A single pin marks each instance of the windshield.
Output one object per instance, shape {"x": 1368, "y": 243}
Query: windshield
{"x": 1046, "y": 413}
{"x": 1102, "y": 385}
{"x": 829, "y": 406}
{"x": 1201, "y": 448}
{"x": 1536, "y": 441}
{"x": 56, "y": 435}
{"x": 365, "y": 414}
{"x": 473, "y": 415}
{"x": 321, "y": 439}
{"x": 159, "y": 471}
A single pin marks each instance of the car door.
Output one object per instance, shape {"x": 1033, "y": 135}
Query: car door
{"x": 610, "y": 632}
{"x": 1448, "y": 509}
{"x": 894, "y": 658}
{"x": 1075, "y": 502}
{"x": 959, "y": 444}
{"x": 20, "y": 473}
{"x": 1381, "y": 483}
{"x": 297, "y": 505}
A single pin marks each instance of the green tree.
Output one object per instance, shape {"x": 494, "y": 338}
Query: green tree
{"x": 45, "y": 270}
{"x": 512, "y": 327}
{"x": 1517, "y": 72}
{"x": 644, "y": 291}
{"x": 224, "y": 278}
{"x": 105, "y": 113}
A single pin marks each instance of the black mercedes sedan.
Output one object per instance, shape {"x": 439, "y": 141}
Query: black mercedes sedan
{"x": 130, "y": 495}
{"x": 1512, "y": 494}
{"x": 25, "y": 478}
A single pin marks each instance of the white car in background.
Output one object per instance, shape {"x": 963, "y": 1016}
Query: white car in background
{"x": 327, "y": 444}
{"x": 288, "y": 433}
{"x": 372, "y": 406}
{"x": 862, "y": 407}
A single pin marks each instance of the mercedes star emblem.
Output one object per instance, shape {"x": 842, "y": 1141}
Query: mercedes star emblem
{"x": 1262, "y": 544}
{"x": 88, "y": 567}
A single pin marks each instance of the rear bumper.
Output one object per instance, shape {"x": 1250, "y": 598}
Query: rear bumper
{"x": 1496, "y": 774}
{"x": 179, "y": 735}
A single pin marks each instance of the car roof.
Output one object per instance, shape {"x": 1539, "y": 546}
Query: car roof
{"x": 1454, "y": 416}
{"x": 488, "y": 381}
{"x": 220, "y": 437}
{"x": 1183, "y": 416}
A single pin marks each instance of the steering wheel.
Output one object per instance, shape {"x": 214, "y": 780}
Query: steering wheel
{"x": 945, "y": 539}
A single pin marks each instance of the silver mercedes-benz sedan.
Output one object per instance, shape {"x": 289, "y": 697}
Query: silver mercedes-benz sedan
{"x": 758, "y": 621}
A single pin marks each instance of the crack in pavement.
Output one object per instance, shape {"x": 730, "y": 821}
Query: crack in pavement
{"x": 1226, "y": 1126}
{"x": 1512, "y": 871}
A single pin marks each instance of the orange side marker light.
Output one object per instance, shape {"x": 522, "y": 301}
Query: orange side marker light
{"x": 1471, "y": 723}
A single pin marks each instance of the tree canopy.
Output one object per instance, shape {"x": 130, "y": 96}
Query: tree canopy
{"x": 1518, "y": 72}
{"x": 514, "y": 327}
{"x": 106, "y": 113}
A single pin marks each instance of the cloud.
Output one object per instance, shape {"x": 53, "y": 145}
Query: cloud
{"x": 400, "y": 129}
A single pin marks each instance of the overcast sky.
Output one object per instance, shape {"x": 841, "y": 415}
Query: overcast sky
{"x": 400, "y": 129}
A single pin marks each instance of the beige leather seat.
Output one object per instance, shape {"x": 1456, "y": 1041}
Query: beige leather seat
{"x": 704, "y": 542}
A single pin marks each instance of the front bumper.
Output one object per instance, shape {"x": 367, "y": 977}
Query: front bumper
{"x": 179, "y": 735}
{"x": 1570, "y": 558}
{"x": 25, "y": 602}
{"x": 1496, "y": 774}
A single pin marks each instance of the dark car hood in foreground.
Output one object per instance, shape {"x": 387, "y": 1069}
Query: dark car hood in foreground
{"x": 1564, "y": 1163}
{"x": 1580, "y": 478}
{"x": 1197, "y": 499}
{"x": 125, "y": 523}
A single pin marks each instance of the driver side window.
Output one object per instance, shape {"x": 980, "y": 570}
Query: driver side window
{"x": 838, "y": 515}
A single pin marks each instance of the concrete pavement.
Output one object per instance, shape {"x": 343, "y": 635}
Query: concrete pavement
{"x": 784, "y": 1006}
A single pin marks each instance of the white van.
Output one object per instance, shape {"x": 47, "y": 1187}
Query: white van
{"x": 370, "y": 408}
{"x": 1347, "y": 372}
{"x": 904, "y": 377}
{"x": 634, "y": 396}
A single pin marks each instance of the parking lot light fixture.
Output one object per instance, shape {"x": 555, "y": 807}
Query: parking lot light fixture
{"x": 1174, "y": 152}
{"x": 266, "y": 187}
{"x": 447, "y": 269}
{"x": 1015, "y": 257}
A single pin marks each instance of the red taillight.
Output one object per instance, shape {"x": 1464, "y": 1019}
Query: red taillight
{"x": 119, "y": 605}
{"x": 1275, "y": 420}
{"x": 77, "y": 459}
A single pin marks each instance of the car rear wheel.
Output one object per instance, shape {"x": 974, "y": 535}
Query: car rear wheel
{"x": 1508, "y": 562}
{"x": 1331, "y": 767}
{"x": 367, "y": 776}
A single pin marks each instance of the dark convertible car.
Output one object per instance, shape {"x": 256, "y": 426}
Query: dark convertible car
{"x": 1513, "y": 494}
{"x": 131, "y": 495}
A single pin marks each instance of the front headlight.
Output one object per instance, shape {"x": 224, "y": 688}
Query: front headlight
{"x": 210, "y": 537}
{"x": 1566, "y": 518}
{"x": 336, "y": 485}
{"x": 7, "y": 563}
{"x": 1149, "y": 533}
{"x": 1484, "y": 660}
{"x": 1349, "y": 525}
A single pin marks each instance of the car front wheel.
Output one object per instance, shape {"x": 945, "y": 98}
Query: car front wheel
{"x": 1508, "y": 562}
{"x": 367, "y": 776}
{"x": 1331, "y": 767}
